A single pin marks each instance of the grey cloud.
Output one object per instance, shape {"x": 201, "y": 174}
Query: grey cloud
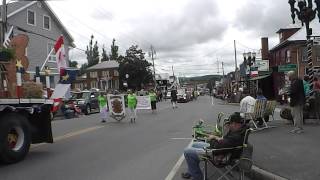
{"x": 263, "y": 18}
{"x": 197, "y": 23}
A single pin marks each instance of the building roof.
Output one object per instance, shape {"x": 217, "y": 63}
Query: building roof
{"x": 300, "y": 36}
{"x": 104, "y": 65}
{"x": 290, "y": 26}
{"x": 18, "y": 6}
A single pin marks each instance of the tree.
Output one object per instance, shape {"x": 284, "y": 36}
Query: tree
{"x": 83, "y": 68}
{"x": 104, "y": 56}
{"x": 92, "y": 53}
{"x": 114, "y": 51}
{"x": 73, "y": 64}
{"x": 136, "y": 66}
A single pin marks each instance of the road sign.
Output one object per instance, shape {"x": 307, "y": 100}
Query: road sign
{"x": 263, "y": 65}
{"x": 287, "y": 67}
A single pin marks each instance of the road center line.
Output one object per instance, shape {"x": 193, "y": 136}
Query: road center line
{"x": 69, "y": 135}
{"x": 178, "y": 164}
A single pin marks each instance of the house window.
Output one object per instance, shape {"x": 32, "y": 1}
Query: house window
{"x": 52, "y": 56}
{"x": 31, "y": 17}
{"x": 288, "y": 56}
{"x": 46, "y": 22}
{"x": 93, "y": 74}
{"x": 280, "y": 36}
{"x": 115, "y": 73}
{"x": 94, "y": 84}
{"x": 105, "y": 73}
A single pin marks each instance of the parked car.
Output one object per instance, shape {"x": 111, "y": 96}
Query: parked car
{"x": 87, "y": 101}
{"x": 183, "y": 96}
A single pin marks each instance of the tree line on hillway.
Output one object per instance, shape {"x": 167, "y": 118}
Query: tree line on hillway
{"x": 132, "y": 63}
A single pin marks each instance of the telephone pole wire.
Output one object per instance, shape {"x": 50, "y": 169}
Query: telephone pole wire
{"x": 152, "y": 53}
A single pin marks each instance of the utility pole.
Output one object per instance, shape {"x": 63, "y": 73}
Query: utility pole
{"x": 222, "y": 69}
{"x": 235, "y": 64}
{"x": 152, "y": 53}
{"x": 3, "y": 27}
{"x": 218, "y": 64}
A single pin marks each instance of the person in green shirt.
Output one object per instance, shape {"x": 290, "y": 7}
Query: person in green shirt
{"x": 153, "y": 99}
{"x": 103, "y": 105}
{"x": 132, "y": 104}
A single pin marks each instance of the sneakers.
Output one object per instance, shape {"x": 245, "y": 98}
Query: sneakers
{"x": 186, "y": 175}
{"x": 297, "y": 131}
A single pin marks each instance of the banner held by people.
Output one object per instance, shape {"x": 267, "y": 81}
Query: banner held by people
{"x": 116, "y": 107}
{"x": 143, "y": 102}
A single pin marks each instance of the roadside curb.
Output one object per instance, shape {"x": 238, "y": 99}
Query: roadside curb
{"x": 260, "y": 174}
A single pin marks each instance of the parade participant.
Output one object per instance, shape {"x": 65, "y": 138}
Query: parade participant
{"x": 174, "y": 97}
{"x": 132, "y": 104}
{"x": 306, "y": 86}
{"x": 153, "y": 99}
{"x": 103, "y": 105}
{"x": 297, "y": 101}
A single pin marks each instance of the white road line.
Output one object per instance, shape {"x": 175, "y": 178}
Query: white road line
{"x": 69, "y": 135}
{"x": 176, "y": 167}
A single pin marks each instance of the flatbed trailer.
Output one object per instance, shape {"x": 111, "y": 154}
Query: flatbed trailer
{"x": 23, "y": 122}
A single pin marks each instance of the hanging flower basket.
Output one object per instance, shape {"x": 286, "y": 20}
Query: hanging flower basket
{"x": 6, "y": 54}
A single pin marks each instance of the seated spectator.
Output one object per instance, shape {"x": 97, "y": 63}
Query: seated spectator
{"x": 233, "y": 138}
{"x": 247, "y": 104}
{"x": 262, "y": 97}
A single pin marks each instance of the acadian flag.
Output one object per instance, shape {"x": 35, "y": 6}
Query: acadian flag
{"x": 68, "y": 76}
{"x": 60, "y": 55}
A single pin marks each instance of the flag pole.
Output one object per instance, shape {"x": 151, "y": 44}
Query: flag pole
{"x": 45, "y": 62}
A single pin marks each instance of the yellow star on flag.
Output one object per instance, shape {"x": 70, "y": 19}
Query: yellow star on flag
{"x": 19, "y": 64}
{"x": 65, "y": 78}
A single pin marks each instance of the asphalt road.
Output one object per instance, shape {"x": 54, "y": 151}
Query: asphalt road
{"x": 86, "y": 149}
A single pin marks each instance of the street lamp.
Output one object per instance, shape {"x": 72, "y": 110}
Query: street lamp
{"x": 306, "y": 14}
{"x": 249, "y": 60}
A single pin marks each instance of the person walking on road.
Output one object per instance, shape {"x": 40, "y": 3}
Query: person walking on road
{"x": 174, "y": 97}
{"x": 153, "y": 99}
{"x": 103, "y": 105}
{"x": 297, "y": 101}
{"x": 132, "y": 104}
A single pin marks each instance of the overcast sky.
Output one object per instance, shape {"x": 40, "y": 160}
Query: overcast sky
{"x": 191, "y": 35}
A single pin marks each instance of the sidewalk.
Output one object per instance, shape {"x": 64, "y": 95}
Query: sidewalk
{"x": 292, "y": 156}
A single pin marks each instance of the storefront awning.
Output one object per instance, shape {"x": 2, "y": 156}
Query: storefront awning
{"x": 259, "y": 77}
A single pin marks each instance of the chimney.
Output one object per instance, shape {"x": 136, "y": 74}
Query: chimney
{"x": 264, "y": 48}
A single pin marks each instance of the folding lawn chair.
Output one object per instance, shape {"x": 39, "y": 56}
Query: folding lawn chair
{"x": 258, "y": 112}
{"x": 230, "y": 161}
{"x": 270, "y": 108}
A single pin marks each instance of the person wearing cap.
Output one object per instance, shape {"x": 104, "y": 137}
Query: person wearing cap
{"x": 132, "y": 104}
{"x": 233, "y": 138}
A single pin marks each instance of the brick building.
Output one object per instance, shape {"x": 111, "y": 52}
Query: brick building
{"x": 104, "y": 76}
{"x": 292, "y": 51}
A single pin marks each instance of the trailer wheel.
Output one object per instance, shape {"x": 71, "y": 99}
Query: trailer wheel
{"x": 14, "y": 138}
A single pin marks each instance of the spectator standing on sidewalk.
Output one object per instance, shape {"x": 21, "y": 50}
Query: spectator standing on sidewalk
{"x": 306, "y": 86}
{"x": 153, "y": 99}
{"x": 297, "y": 101}
{"x": 103, "y": 105}
{"x": 132, "y": 104}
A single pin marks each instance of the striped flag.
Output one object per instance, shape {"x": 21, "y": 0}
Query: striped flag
{"x": 60, "y": 55}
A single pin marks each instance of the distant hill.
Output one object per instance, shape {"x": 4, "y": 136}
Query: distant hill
{"x": 205, "y": 78}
